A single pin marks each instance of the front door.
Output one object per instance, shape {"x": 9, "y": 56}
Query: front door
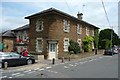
{"x": 52, "y": 50}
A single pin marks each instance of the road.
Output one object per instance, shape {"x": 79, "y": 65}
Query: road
{"x": 92, "y": 67}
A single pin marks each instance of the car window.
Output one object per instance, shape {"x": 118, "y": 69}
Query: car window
{"x": 5, "y": 56}
{"x": 14, "y": 55}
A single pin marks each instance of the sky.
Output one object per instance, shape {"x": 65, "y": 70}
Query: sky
{"x": 13, "y": 12}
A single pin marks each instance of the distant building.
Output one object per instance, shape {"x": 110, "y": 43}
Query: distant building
{"x": 7, "y": 39}
{"x": 51, "y": 30}
{"x": 22, "y": 39}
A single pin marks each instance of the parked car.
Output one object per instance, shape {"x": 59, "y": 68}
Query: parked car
{"x": 14, "y": 59}
{"x": 111, "y": 51}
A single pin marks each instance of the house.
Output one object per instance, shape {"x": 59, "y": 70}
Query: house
{"x": 22, "y": 39}
{"x": 51, "y": 30}
{"x": 7, "y": 38}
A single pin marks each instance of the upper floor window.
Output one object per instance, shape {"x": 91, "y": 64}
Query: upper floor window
{"x": 39, "y": 44}
{"x": 66, "y": 25}
{"x": 39, "y": 25}
{"x": 87, "y": 31}
{"x": 24, "y": 35}
{"x": 79, "y": 29}
{"x": 66, "y": 44}
{"x": 18, "y": 35}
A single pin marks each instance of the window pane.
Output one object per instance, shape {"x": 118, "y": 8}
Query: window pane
{"x": 39, "y": 45}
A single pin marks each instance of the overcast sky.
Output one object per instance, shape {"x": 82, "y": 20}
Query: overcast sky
{"x": 12, "y": 12}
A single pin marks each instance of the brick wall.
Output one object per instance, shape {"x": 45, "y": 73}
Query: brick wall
{"x": 9, "y": 44}
{"x": 53, "y": 29}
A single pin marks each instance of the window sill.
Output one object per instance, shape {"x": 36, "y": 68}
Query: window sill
{"x": 66, "y": 31}
{"x": 38, "y": 30}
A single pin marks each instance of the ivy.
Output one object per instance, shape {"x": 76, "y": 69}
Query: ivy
{"x": 87, "y": 41}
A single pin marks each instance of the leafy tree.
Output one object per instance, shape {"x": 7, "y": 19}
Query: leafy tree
{"x": 106, "y": 34}
{"x": 108, "y": 44}
{"x": 74, "y": 46}
{"x": 96, "y": 38}
{"x": 87, "y": 42}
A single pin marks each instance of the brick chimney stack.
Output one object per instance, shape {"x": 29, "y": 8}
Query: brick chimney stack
{"x": 80, "y": 16}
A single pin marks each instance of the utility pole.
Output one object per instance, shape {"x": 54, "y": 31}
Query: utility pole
{"x": 111, "y": 36}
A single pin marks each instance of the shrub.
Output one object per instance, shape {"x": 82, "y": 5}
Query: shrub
{"x": 87, "y": 41}
{"x": 74, "y": 46}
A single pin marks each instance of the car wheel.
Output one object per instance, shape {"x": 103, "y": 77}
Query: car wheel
{"x": 29, "y": 61}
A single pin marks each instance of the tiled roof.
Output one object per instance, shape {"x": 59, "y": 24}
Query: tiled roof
{"x": 22, "y": 28}
{"x": 8, "y": 33}
{"x": 60, "y": 12}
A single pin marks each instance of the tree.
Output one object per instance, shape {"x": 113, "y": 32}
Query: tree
{"x": 96, "y": 38}
{"x": 87, "y": 42}
{"x": 74, "y": 46}
{"x": 106, "y": 34}
{"x": 108, "y": 44}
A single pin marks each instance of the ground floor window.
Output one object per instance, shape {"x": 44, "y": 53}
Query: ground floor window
{"x": 39, "y": 43}
{"x": 66, "y": 44}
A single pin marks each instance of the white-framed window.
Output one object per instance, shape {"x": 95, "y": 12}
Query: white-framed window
{"x": 66, "y": 25}
{"x": 66, "y": 44}
{"x": 79, "y": 42}
{"x": 87, "y": 31}
{"x": 18, "y": 35}
{"x": 24, "y": 35}
{"x": 39, "y": 25}
{"x": 39, "y": 44}
{"x": 79, "y": 29}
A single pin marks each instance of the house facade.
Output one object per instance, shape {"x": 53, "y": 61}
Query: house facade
{"x": 7, "y": 39}
{"x": 22, "y": 38}
{"x": 51, "y": 30}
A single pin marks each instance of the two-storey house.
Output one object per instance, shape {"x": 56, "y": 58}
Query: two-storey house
{"x": 51, "y": 30}
{"x": 22, "y": 38}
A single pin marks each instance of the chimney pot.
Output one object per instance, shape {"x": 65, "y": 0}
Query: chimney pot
{"x": 80, "y": 16}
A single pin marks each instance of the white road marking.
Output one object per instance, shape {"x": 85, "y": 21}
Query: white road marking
{"x": 41, "y": 69}
{"x": 3, "y": 76}
{"x": 66, "y": 67}
{"x": 10, "y": 77}
{"x": 31, "y": 72}
{"x": 75, "y": 65}
{"x": 27, "y": 71}
{"x": 15, "y": 74}
{"x": 48, "y": 67}
{"x": 55, "y": 72}
{"x": 52, "y": 71}
{"x": 20, "y": 75}
{"x": 71, "y": 65}
{"x": 36, "y": 68}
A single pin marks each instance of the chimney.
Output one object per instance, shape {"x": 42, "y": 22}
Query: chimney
{"x": 80, "y": 16}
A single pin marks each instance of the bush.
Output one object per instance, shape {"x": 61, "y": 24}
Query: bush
{"x": 74, "y": 46}
{"x": 87, "y": 42}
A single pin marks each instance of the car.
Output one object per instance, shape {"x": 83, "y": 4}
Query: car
{"x": 111, "y": 51}
{"x": 14, "y": 59}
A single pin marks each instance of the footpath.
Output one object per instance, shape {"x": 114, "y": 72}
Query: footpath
{"x": 44, "y": 63}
